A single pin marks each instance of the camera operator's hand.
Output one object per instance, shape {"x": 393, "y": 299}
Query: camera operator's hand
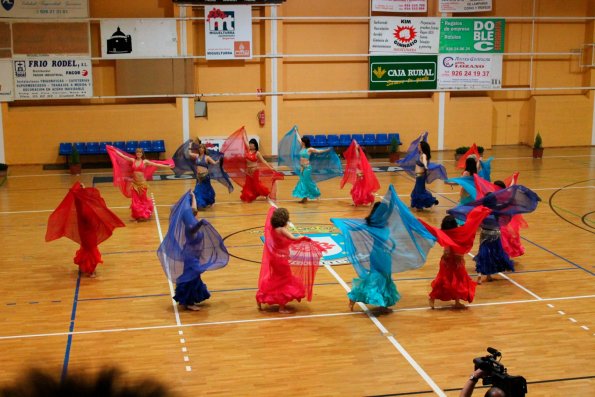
{"x": 467, "y": 390}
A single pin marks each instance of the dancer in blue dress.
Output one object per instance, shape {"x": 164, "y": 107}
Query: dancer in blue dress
{"x": 311, "y": 165}
{"x": 389, "y": 240}
{"x": 417, "y": 164}
{"x": 491, "y": 257}
{"x": 205, "y": 165}
{"x": 190, "y": 248}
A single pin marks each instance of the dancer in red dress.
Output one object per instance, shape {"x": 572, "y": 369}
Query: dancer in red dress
{"x": 248, "y": 168}
{"x": 83, "y": 217}
{"x": 131, "y": 174}
{"x": 452, "y": 281}
{"x": 359, "y": 173}
{"x": 289, "y": 263}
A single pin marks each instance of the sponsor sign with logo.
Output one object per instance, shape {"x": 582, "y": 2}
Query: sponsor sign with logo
{"x": 228, "y": 32}
{"x": 333, "y": 243}
{"x": 400, "y": 5}
{"x": 465, "y": 36}
{"x": 128, "y": 38}
{"x": 44, "y": 9}
{"x": 52, "y": 77}
{"x": 469, "y": 71}
{"x": 6, "y": 83}
{"x": 404, "y": 35}
{"x": 403, "y": 72}
{"x": 465, "y": 5}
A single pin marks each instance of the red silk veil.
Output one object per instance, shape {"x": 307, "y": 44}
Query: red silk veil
{"x": 472, "y": 151}
{"x": 83, "y": 217}
{"x": 357, "y": 161}
{"x": 123, "y": 169}
{"x": 234, "y": 154}
{"x": 460, "y": 239}
{"x": 304, "y": 257}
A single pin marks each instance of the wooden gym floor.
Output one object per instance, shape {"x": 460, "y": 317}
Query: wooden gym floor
{"x": 542, "y": 317}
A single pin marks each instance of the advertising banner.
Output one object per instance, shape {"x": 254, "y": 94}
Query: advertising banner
{"x": 403, "y": 72}
{"x": 482, "y": 35}
{"x": 228, "y": 32}
{"x": 400, "y": 5}
{"x": 470, "y": 71}
{"x": 465, "y": 5}
{"x": 6, "y": 83}
{"x": 404, "y": 35}
{"x": 52, "y": 77}
{"x": 129, "y": 38}
{"x": 44, "y": 9}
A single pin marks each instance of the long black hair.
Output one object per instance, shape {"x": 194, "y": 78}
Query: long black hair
{"x": 425, "y": 149}
{"x": 306, "y": 141}
{"x": 471, "y": 165}
{"x": 369, "y": 217}
{"x": 448, "y": 222}
{"x": 254, "y": 142}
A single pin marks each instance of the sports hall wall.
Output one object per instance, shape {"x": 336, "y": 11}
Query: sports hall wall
{"x": 564, "y": 117}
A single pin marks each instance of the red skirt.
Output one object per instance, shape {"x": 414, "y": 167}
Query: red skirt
{"x": 87, "y": 259}
{"x": 142, "y": 206}
{"x": 253, "y": 188}
{"x": 452, "y": 281}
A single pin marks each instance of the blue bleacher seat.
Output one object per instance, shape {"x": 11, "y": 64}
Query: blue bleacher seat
{"x": 102, "y": 145}
{"x": 344, "y": 140}
{"x": 369, "y": 140}
{"x": 332, "y": 140}
{"x": 131, "y": 146}
{"x": 395, "y": 136}
{"x": 319, "y": 141}
{"x": 120, "y": 145}
{"x": 382, "y": 140}
{"x": 158, "y": 146}
{"x": 81, "y": 147}
{"x": 359, "y": 138}
{"x": 65, "y": 149}
{"x": 146, "y": 146}
{"x": 92, "y": 147}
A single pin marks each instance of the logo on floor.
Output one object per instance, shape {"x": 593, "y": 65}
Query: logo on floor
{"x": 334, "y": 243}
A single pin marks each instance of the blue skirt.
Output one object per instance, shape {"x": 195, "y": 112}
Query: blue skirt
{"x": 191, "y": 292}
{"x": 306, "y": 187}
{"x": 204, "y": 192}
{"x": 374, "y": 289}
{"x": 491, "y": 257}
{"x": 420, "y": 197}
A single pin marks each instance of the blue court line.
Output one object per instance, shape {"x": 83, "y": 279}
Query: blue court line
{"x": 560, "y": 256}
{"x": 71, "y": 328}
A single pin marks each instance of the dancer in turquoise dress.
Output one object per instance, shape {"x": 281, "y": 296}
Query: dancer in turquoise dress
{"x": 306, "y": 188}
{"x": 389, "y": 240}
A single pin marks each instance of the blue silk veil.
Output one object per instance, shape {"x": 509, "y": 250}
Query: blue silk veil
{"x": 407, "y": 244}
{"x": 184, "y": 163}
{"x": 324, "y": 165}
{"x": 435, "y": 171}
{"x": 505, "y": 203}
{"x": 191, "y": 241}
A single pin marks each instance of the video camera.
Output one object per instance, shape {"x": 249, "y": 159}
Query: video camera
{"x": 497, "y": 376}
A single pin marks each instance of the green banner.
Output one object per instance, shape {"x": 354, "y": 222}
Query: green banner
{"x": 469, "y": 36}
{"x": 403, "y": 72}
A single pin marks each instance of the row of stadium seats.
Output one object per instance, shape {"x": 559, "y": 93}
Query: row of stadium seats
{"x": 83, "y": 148}
{"x": 338, "y": 140}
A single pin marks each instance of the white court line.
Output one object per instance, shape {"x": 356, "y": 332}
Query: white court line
{"x": 259, "y": 320}
{"x": 382, "y": 329}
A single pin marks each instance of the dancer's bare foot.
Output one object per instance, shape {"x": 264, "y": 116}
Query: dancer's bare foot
{"x": 92, "y": 275}
{"x": 385, "y": 310}
{"x": 259, "y": 305}
{"x": 479, "y": 279}
{"x": 431, "y": 302}
{"x": 284, "y": 310}
{"x": 193, "y": 308}
{"x": 489, "y": 278}
{"x": 351, "y": 304}
{"x": 303, "y": 201}
{"x": 459, "y": 305}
